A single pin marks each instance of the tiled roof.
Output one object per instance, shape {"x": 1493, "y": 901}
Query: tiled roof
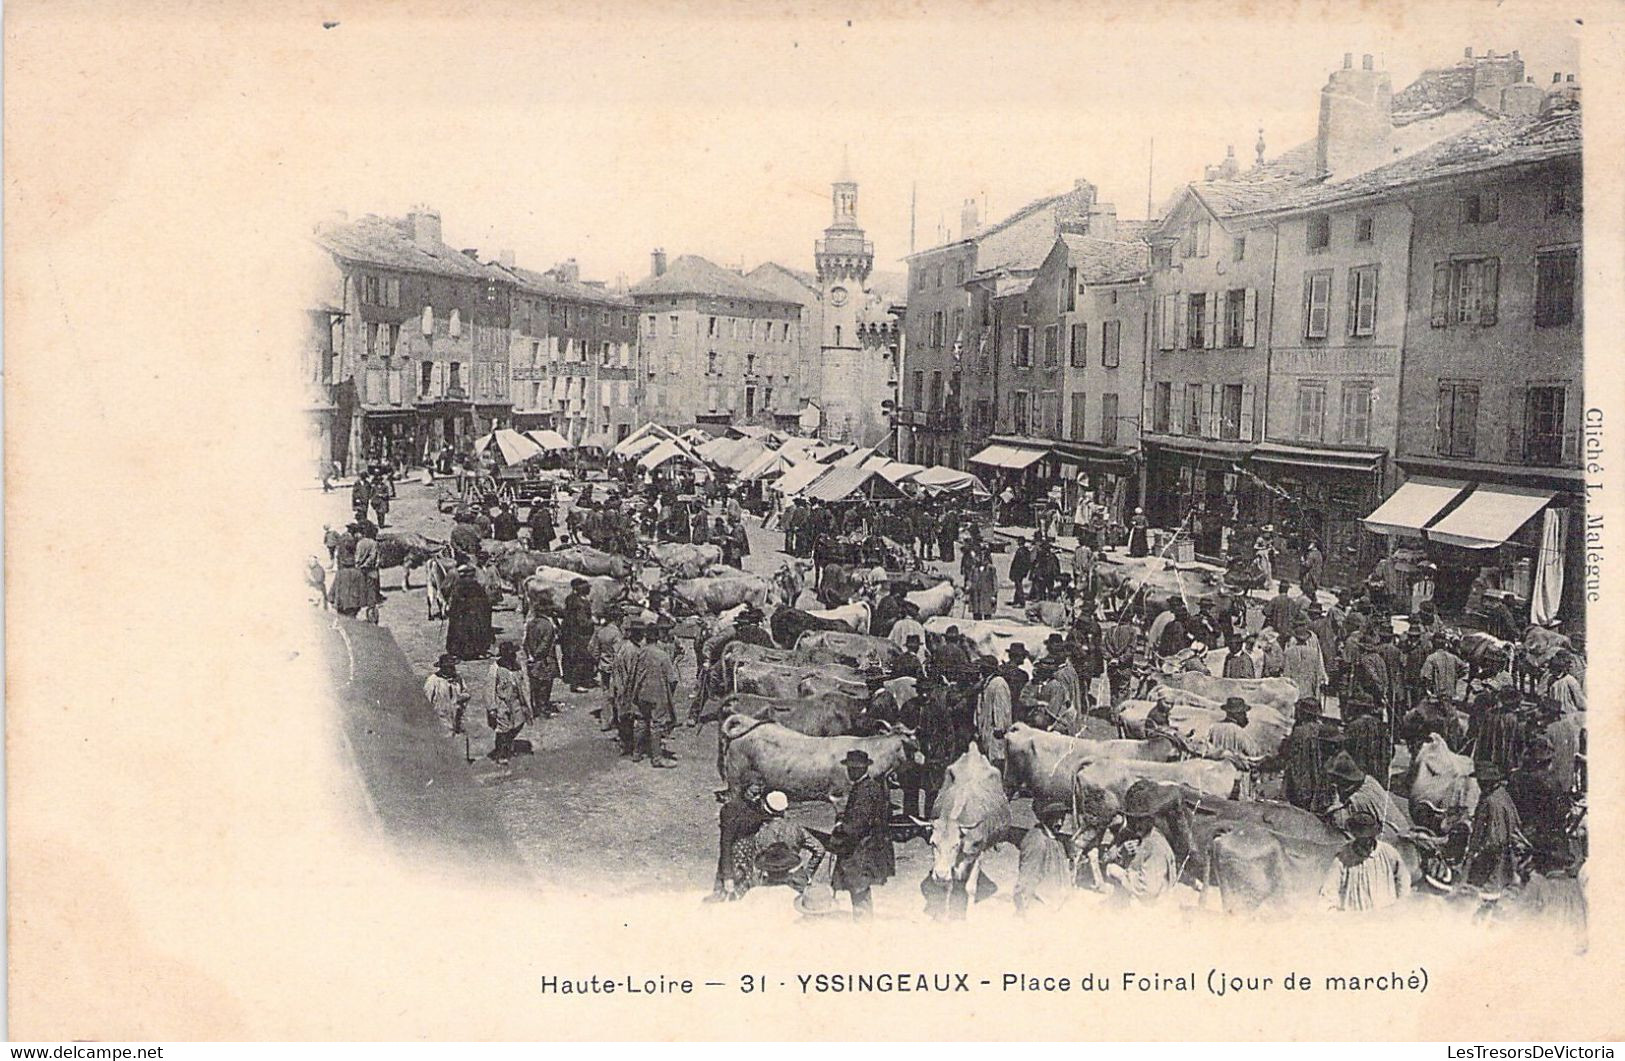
{"x": 805, "y": 277}
{"x": 1005, "y": 286}
{"x": 1102, "y": 261}
{"x": 1261, "y": 185}
{"x": 387, "y": 242}
{"x": 692, "y": 275}
{"x": 551, "y": 286}
{"x": 1434, "y": 90}
{"x": 1491, "y": 144}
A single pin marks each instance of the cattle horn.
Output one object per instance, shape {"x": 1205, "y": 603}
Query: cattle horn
{"x": 918, "y": 822}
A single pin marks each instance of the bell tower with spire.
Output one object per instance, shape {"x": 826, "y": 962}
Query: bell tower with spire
{"x": 844, "y": 259}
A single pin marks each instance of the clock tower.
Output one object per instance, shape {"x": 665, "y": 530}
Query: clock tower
{"x": 844, "y": 259}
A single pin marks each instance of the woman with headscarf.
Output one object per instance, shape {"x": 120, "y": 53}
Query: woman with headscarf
{"x": 1139, "y": 534}
{"x": 468, "y": 616}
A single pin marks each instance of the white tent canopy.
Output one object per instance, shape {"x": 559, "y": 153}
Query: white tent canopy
{"x": 660, "y": 454}
{"x": 513, "y": 447}
{"x": 548, "y": 439}
{"x": 768, "y": 464}
{"x": 631, "y": 444}
{"x": 798, "y": 478}
{"x": 939, "y": 478}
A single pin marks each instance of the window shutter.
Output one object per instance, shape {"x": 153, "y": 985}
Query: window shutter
{"x": 456, "y": 324}
{"x": 626, "y": 392}
{"x": 437, "y": 379}
{"x": 1441, "y": 294}
{"x": 626, "y": 355}
{"x": 1249, "y": 320}
{"x": 1354, "y": 301}
{"x": 1210, "y": 330}
{"x": 1517, "y": 399}
{"x": 1213, "y": 410}
{"x": 1441, "y": 422}
{"x": 1571, "y": 432}
{"x": 1248, "y": 396}
{"x": 428, "y": 320}
{"x": 730, "y": 399}
{"x": 1490, "y": 296}
{"x": 1176, "y": 408}
{"x": 1181, "y": 309}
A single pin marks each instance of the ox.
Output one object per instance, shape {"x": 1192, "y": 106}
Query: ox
{"x": 803, "y": 767}
{"x": 834, "y": 646}
{"x": 973, "y": 815}
{"x": 1190, "y": 717}
{"x": 856, "y": 615}
{"x": 1044, "y": 762}
{"x": 788, "y": 624}
{"x": 938, "y": 600}
{"x": 1050, "y": 613}
{"x": 1279, "y": 693}
{"x": 406, "y": 550}
{"x": 555, "y": 583}
{"x": 829, "y": 715}
{"x": 791, "y": 681}
{"x": 714, "y": 595}
{"x": 439, "y": 576}
{"x": 682, "y": 560}
{"x": 991, "y": 637}
{"x": 585, "y": 560}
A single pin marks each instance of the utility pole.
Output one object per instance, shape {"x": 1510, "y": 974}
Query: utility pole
{"x": 1150, "y": 165}
{"x": 913, "y": 210}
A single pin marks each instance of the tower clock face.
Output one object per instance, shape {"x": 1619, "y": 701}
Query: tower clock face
{"x": 838, "y": 296}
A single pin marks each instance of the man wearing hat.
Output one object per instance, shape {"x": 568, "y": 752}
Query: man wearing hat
{"x": 906, "y": 664}
{"x": 1543, "y": 805}
{"x": 1230, "y": 737}
{"x": 993, "y": 711}
{"x": 1045, "y": 701}
{"x": 953, "y": 653}
{"x": 651, "y": 689}
{"x": 603, "y": 642}
{"x": 888, "y": 610}
{"x": 574, "y": 633}
{"x": 509, "y": 699}
{"x": 1303, "y": 778}
{"x": 1142, "y": 863}
{"x": 780, "y": 845}
{"x": 542, "y": 655}
{"x": 621, "y": 716}
{"x": 909, "y": 628}
{"x": 1367, "y": 873}
{"x": 446, "y": 693}
{"x": 468, "y": 616}
{"x": 1302, "y": 662}
{"x": 1368, "y": 740}
{"x": 540, "y": 522}
{"x": 1044, "y": 877}
{"x": 861, "y": 840}
{"x": 1355, "y": 790}
{"x": 1566, "y": 687}
{"x": 1497, "y": 832}
{"x": 1442, "y": 672}
{"x": 1015, "y": 675}
{"x": 1498, "y": 735}
{"x": 740, "y": 821}
{"x": 1237, "y": 662}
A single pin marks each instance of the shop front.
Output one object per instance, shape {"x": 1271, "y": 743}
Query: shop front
{"x": 387, "y": 436}
{"x": 1106, "y": 476}
{"x": 1200, "y": 487}
{"x": 1516, "y": 539}
{"x": 1312, "y": 494}
{"x": 1022, "y": 473}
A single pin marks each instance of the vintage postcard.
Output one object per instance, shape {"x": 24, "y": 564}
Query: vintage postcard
{"x": 889, "y": 521}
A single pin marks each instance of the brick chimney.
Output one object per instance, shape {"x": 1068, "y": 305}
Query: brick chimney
{"x": 505, "y": 257}
{"x": 1355, "y": 124}
{"x": 568, "y": 271}
{"x": 1224, "y": 170}
{"x": 657, "y": 262}
{"x": 1491, "y": 74}
{"x": 425, "y": 223}
{"x": 1522, "y": 100}
{"x": 1103, "y": 221}
{"x": 968, "y": 223}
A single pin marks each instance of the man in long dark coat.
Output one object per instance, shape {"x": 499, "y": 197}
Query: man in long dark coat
{"x": 468, "y": 617}
{"x": 1304, "y": 781}
{"x": 540, "y": 522}
{"x": 574, "y": 633}
{"x": 864, "y": 855}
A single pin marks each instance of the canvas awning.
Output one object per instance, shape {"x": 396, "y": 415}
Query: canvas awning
{"x": 798, "y": 478}
{"x": 642, "y": 445}
{"x": 841, "y": 483}
{"x": 856, "y": 458}
{"x": 660, "y": 454}
{"x": 1413, "y": 506}
{"x": 1354, "y": 460}
{"x": 634, "y": 443}
{"x": 743, "y": 455}
{"x": 715, "y": 448}
{"x": 766, "y": 465}
{"x": 602, "y": 440}
{"x": 549, "y": 439}
{"x": 513, "y": 447}
{"x": 1014, "y": 457}
{"x": 1489, "y": 516}
{"x": 939, "y": 478}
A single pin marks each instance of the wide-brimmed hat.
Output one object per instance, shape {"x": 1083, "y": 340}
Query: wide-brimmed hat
{"x": 1235, "y": 706}
{"x": 508, "y": 650}
{"x": 1146, "y": 799}
{"x": 777, "y": 858}
{"x": 1017, "y": 650}
{"x": 446, "y": 660}
{"x": 1051, "y": 809}
{"x": 1345, "y": 768}
{"x": 857, "y": 757}
{"x": 580, "y": 583}
{"x": 1364, "y": 825}
{"x": 817, "y": 901}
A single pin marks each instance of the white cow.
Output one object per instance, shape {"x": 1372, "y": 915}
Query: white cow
{"x": 991, "y": 637}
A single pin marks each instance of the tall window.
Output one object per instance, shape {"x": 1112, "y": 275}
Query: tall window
{"x": 1356, "y": 418}
{"x": 713, "y": 366}
{"x": 1052, "y": 346}
{"x": 1024, "y": 347}
{"x": 1317, "y": 298}
{"x": 1555, "y": 272}
{"x": 673, "y": 321}
{"x": 1108, "y": 419}
{"x": 982, "y": 414}
{"x": 1543, "y": 426}
{"x": 1069, "y": 296}
{"x": 1466, "y": 291}
{"x": 456, "y": 382}
{"x": 1240, "y": 248}
{"x": 1312, "y": 412}
{"x": 1235, "y": 318}
{"x": 1019, "y": 402}
{"x": 1193, "y": 408}
{"x": 1458, "y": 419}
{"x": 1195, "y": 321}
{"x": 959, "y": 325}
{"x": 1162, "y": 402}
{"x": 919, "y": 390}
{"x": 1364, "y": 228}
{"x": 1230, "y": 411}
{"x": 1079, "y": 345}
{"x": 1111, "y": 343}
{"x": 837, "y": 335}
{"x": 1080, "y": 413}
{"x": 936, "y": 392}
{"x": 425, "y": 377}
{"x": 1363, "y": 300}
{"x": 959, "y": 271}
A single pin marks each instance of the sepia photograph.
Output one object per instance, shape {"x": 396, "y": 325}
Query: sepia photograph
{"x": 824, "y": 507}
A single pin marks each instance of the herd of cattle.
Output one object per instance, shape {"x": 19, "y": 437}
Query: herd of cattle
{"x": 788, "y": 714}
